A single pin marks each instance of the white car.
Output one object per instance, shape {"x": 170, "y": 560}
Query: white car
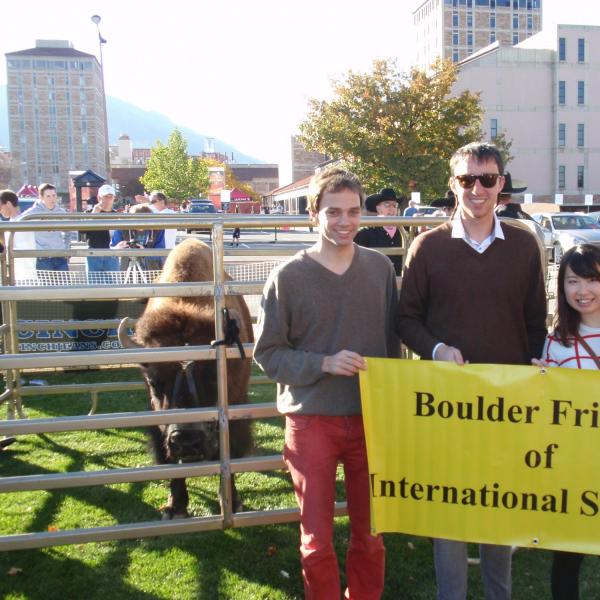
{"x": 565, "y": 230}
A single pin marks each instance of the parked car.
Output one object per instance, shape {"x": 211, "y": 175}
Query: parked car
{"x": 201, "y": 207}
{"x": 565, "y": 230}
{"x": 595, "y": 215}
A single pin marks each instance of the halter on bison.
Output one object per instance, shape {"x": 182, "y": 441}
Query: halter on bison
{"x": 177, "y": 322}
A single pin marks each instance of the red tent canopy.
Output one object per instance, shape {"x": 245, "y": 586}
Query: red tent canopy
{"x": 237, "y": 194}
{"x": 28, "y": 191}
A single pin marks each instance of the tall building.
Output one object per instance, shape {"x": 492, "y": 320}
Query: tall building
{"x": 545, "y": 95}
{"x": 455, "y": 29}
{"x": 304, "y": 161}
{"x": 56, "y": 113}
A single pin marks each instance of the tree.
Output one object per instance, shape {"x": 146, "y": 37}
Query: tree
{"x": 171, "y": 170}
{"x": 395, "y": 129}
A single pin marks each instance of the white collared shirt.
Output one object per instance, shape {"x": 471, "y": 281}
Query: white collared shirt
{"x": 458, "y": 231}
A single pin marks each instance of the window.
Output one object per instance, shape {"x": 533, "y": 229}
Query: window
{"x": 515, "y": 39}
{"x": 515, "y": 21}
{"x": 562, "y": 135}
{"x": 492, "y": 37}
{"x": 493, "y": 129}
{"x": 562, "y": 93}
{"x": 580, "y": 135}
{"x": 580, "y": 92}
{"x": 469, "y": 39}
{"x": 581, "y": 50}
{"x": 455, "y": 38}
{"x": 469, "y": 20}
{"x": 529, "y": 22}
{"x": 454, "y": 19}
{"x": 492, "y": 21}
{"x": 561, "y": 177}
{"x": 562, "y": 48}
{"x": 455, "y": 56}
{"x": 580, "y": 180}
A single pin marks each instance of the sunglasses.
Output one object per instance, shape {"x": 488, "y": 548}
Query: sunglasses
{"x": 488, "y": 180}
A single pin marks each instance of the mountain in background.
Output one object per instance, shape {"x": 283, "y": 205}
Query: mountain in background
{"x": 142, "y": 126}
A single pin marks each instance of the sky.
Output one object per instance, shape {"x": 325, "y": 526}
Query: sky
{"x": 239, "y": 70}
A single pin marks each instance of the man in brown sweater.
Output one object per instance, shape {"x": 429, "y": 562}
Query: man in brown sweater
{"x": 473, "y": 291}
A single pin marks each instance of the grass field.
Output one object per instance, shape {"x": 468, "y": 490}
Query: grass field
{"x": 250, "y": 563}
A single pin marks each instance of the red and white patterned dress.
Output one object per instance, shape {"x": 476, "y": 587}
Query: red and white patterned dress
{"x": 576, "y": 356}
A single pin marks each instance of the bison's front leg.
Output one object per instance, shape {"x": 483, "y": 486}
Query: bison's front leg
{"x": 237, "y": 505}
{"x": 176, "y": 507}
{"x": 179, "y": 499}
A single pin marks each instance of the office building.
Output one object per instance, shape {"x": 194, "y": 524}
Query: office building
{"x": 545, "y": 95}
{"x": 56, "y": 114}
{"x": 455, "y": 29}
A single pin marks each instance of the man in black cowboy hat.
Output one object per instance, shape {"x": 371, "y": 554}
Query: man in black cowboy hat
{"x": 507, "y": 208}
{"x": 385, "y": 204}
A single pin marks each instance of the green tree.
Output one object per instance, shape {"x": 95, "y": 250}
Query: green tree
{"x": 395, "y": 129}
{"x": 171, "y": 170}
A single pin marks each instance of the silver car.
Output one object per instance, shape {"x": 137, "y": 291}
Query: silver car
{"x": 565, "y": 230}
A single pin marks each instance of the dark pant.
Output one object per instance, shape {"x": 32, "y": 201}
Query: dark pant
{"x": 52, "y": 263}
{"x": 565, "y": 575}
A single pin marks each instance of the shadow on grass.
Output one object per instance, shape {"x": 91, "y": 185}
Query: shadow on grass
{"x": 49, "y": 575}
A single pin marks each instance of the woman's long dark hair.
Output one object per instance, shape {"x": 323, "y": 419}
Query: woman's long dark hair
{"x": 583, "y": 260}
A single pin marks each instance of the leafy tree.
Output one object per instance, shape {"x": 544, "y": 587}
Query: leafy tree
{"x": 395, "y": 129}
{"x": 171, "y": 170}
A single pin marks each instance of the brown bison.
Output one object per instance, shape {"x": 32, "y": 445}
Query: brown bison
{"x": 177, "y": 322}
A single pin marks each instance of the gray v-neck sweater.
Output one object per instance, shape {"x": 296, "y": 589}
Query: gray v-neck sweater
{"x": 309, "y": 312}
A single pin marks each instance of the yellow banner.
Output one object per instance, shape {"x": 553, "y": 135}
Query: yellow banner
{"x": 484, "y": 453}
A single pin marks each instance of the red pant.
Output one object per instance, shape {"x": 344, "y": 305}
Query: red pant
{"x": 313, "y": 447}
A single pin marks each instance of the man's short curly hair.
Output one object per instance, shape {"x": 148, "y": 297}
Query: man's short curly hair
{"x": 334, "y": 179}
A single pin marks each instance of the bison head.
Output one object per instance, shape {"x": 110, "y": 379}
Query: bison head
{"x": 180, "y": 385}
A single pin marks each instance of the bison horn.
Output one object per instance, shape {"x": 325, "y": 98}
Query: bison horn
{"x": 125, "y": 340}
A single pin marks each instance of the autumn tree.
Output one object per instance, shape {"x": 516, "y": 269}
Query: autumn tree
{"x": 395, "y": 129}
{"x": 171, "y": 170}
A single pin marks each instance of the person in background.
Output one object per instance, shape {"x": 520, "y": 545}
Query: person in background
{"x": 574, "y": 344}
{"x": 237, "y": 232}
{"x": 412, "y": 209}
{"x": 140, "y": 238}
{"x": 158, "y": 203}
{"x": 24, "y": 268}
{"x": 100, "y": 238}
{"x": 312, "y": 339}
{"x": 47, "y": 203}
{"x": 506, "y": 207}
{"x": 385, "y": 204}
{"x": 473, "y": 291}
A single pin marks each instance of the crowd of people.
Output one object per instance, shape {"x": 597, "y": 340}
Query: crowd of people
{"x": 98, "y": 265}
{"x": 472, "y": 292}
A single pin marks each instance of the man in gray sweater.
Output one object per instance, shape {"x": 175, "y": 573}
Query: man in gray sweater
{"x": 49, "y": 240}
{"x": 322, "y": 311}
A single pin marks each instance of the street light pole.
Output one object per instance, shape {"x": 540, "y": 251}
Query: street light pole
{"x": 96, "y": 20}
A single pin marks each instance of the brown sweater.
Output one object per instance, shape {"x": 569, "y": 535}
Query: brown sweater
{"x": 491, "y": 306}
